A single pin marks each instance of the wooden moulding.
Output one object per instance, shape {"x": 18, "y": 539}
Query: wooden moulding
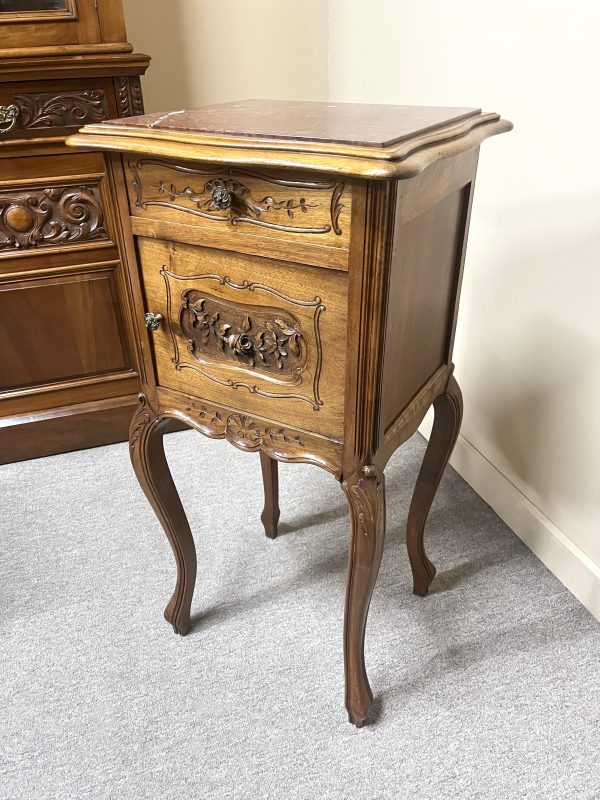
{"x": 398, "y": 161}
{"x": 106, "y": 62}
{"x": 251, "y": 433}
{"x": 58, "y": 430}
{"x": 68, "y": 50}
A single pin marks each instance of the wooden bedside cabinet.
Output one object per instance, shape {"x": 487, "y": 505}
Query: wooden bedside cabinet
{"x": 297, "y": 293}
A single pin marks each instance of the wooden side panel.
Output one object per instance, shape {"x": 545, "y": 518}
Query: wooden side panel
{"x": 255, "y": 335}
{"x": 426, "y": 264}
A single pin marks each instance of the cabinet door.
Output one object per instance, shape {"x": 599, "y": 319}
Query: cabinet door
{"x": 63, "y": 289}
{"x": 48, "y": 23}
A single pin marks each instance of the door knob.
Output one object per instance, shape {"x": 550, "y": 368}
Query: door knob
{"x": 221, "y": 198}
{"x": 153, "y": 321}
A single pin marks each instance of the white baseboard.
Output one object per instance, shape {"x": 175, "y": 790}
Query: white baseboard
{"x": 561, "y": 555}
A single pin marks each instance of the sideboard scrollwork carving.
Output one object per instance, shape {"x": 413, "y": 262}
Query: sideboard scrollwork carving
{"x": 34, "y": 217}
{"x": 129, "y": 96}
{"x": 63, "y": 110}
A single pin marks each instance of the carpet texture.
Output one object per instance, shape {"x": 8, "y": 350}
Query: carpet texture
{"x": 488, "y": 688}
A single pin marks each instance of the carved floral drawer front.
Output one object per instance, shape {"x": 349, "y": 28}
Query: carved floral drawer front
{"x": 27, "y": 112}
{"x": 253, "y": 334}
{"x": 225, "y": 204}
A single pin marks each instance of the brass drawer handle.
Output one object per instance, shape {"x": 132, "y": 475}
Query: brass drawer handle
{"x": 153, "y": 321}
{"x": 8, "y": 118}
{"x": 221, "y": 198}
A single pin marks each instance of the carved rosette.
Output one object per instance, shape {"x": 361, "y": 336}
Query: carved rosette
{"x": 56, "y": 215}
{"x": 224, "y": 197}
{"x": 64, "y": 110}
{"x": 265, "y": 339}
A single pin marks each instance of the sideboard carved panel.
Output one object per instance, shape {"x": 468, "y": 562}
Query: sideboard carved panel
{"x": 129, "y": 96}
{"x": 60, "y": 110}
{"x": 34, "y": 217}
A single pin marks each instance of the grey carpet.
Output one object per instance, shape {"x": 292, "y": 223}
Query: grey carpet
{"x": 489, "y": 688}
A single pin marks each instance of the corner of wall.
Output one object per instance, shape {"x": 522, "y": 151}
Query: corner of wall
{"x": 573, "y": 568}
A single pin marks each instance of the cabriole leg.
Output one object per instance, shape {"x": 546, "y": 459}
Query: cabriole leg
{"x": 365, "y": 491}
{"x": 448, "y": 417}
{"x": 150, "y": 465}
{"x": 270, "y": 476}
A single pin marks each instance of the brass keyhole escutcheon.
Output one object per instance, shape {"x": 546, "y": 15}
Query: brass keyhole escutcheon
{"x": 153, "y": 321}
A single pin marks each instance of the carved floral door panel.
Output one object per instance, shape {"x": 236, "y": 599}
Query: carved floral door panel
{"x": 276, "y": 341}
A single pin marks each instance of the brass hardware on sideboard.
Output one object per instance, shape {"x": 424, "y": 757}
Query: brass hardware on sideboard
{"x": 8, "y": 117}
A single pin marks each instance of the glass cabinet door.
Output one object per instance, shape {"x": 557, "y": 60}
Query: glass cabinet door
{"x": 55, "y": 24}
{"x": 23, "y": 6}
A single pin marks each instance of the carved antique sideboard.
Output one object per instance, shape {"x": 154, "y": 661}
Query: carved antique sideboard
{"x": 68, "y": 367}
{"x": 297, "y": 294}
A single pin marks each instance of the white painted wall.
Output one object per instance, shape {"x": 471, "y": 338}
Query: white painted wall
{"x": 528, "y": 340}
{"x": 528, "y": 343}
{"x": 211, "y": 51}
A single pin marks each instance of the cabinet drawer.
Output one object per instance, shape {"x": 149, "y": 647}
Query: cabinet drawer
{"x": 57, "y": 203}
{"x": 49, "y": 109}
{"x": 290, "y": 216}
{"x": 255, "y": 335}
